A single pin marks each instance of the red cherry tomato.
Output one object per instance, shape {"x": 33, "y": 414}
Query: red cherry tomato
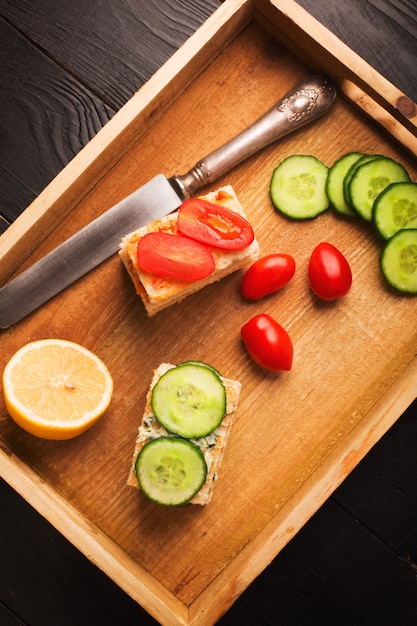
{"x": 329, "y": 272}
{"x": 268, "y": 343}
{"x": 267, "y": 275}
{"x": 214, "y": 225}
{"x": 174, "y": 256}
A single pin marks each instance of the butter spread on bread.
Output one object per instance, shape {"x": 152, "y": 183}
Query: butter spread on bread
{"x": 156, "y": 292}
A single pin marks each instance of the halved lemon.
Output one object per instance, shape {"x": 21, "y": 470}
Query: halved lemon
{"x": 56, "y": 389}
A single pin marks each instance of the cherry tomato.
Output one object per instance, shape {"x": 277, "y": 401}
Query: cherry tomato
{"x": 174, "y": 256}
{"x": 329, "y": 272}
{"x": 268, "y": 343}
{"x": 267, "y": 275}
{"x": 214, "y": 225}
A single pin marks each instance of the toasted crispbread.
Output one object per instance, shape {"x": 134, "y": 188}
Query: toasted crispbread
{"x": 158, "y": 293}
{"x": 212, "y": 446}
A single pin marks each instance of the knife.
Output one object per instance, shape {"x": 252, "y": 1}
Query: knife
{"x": 101, "y": 238}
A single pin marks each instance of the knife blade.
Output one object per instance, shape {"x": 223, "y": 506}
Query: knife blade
{"x": 100, "y": 239}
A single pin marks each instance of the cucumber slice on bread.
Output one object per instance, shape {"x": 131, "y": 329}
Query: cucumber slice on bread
{"x": 202, "y": 364}
{"x": 189, "y": 400}
{"x": 171, "y": 470}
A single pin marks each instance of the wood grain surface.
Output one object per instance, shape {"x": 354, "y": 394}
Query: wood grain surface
{"x": 320, "y": 576}
{"x": 382, "y": 27}
{"x": 66, "y": 69}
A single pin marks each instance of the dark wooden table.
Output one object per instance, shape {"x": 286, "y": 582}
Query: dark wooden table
{"x": 66, "y": 68}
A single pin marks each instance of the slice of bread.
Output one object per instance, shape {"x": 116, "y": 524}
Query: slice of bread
{"x": 158, "y": 293}
{"x": 212, "y": 446}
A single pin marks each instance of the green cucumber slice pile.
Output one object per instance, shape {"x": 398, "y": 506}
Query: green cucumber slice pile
{"x": 374, "y": 187}
{"x": 370, "y": 179}
{"x": 365, "y": 158}
{"x": 335, "y": 178}
{"x": 170, "y": 470}
{"x": 189, "y": 401}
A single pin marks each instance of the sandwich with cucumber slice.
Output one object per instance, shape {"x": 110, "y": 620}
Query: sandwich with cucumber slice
{"x": 183, "y": 433}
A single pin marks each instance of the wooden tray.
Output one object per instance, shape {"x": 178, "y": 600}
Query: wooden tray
{"x": 297, "y": 435}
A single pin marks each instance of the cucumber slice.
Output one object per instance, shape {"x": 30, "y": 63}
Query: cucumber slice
{"x": 170, "y": 470}
{"x": 348, "y": 177}
{"x": 395, "y": 208}
{"x": 202, "y": 364}
{"x": 399, "y": 261}
{"x": 189, "y": 400}
{"x": 370, "y": 179}
{"x": 298, "y": 187}
{"x": 334, "y": 183}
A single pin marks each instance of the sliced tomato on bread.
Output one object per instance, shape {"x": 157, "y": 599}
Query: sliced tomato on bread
{"x": 174, "y": 256}
{"x": 214, "y": 225}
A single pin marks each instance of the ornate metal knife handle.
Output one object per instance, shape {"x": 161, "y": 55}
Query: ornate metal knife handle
{"x": 305, "y": 103}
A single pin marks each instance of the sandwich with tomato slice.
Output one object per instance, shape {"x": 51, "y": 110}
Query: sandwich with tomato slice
{"x": 208, "y": 238}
